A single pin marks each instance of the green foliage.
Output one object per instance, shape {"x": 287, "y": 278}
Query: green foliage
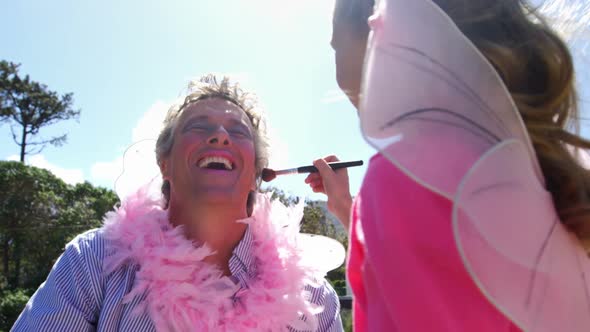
{"x": 281, "y": 196}
{"x": 346, "y": 316}
{"x": 11, "y": 305}
{"x": 338, "y": 274}
{"x": 317, "y": 221}
{"x": 29, "y": 106}
{"x": 39, "y": 213}
{"x": 338, "y": 284}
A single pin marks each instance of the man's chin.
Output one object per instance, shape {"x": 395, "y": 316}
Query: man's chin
{"x": 219, "y": 195}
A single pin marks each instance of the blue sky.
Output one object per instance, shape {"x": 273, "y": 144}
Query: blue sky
{"x": 122, "y": 59}
{"x": 126, "y": 60}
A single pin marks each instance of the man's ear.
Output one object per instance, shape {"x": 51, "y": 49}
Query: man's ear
{"x": 250, "y": 203}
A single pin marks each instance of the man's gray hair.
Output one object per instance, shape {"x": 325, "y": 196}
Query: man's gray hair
{"x": 209, "y": 86}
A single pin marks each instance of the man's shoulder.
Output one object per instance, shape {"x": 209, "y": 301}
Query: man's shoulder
{"x": 325, "y": 297}
{"x": 89, "y": 243}
{"x": 321, "y": 292}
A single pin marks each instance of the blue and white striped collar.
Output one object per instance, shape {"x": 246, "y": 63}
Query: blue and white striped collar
{"x": 242, "y": 264}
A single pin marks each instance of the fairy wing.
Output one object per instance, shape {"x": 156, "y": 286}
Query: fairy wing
{"x": 139, "y": 170}
{"x": 436, "y": 108}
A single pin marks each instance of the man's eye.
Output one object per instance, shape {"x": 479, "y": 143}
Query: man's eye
{"x": 239, "y": 132}
{"x": 199, "y": 127}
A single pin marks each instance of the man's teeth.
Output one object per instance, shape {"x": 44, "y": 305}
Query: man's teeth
{"x": 207, "y": 161}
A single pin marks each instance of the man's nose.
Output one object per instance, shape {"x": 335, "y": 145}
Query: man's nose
{"x": 219, "y": 136}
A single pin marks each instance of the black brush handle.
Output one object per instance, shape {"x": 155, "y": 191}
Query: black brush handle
{"x": 334, "y": 165}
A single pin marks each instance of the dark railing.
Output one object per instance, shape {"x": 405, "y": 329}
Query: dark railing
{"x": 345, "y": 302}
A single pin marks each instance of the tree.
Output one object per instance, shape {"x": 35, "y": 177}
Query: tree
{"x": 39, "y": 214}
{"x": 12, "y": 303}
{"x": 29, "y": 106}
{"x": 317, "y": 220}
{"x": 29, "y": 194}
{"x": 281, "y": 196}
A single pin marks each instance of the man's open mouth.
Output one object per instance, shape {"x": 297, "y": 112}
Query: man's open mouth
{"x": 216, "y": 163}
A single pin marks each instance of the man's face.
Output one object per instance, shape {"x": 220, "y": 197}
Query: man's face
{"x": 213, "y": 155}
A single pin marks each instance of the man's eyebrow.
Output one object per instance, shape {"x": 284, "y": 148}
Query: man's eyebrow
{"x": 191, "y": 121}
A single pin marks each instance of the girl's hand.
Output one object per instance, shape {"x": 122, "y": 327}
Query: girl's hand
{"x": 333, "y": 184}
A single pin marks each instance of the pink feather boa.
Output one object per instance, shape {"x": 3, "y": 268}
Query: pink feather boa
{"x": 185, "y": 294}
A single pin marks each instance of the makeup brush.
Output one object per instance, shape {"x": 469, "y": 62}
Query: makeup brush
{"x": 269, "y": 174}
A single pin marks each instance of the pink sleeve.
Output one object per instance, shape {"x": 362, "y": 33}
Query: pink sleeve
{"x": 412, "y": 276}
{"x": 356, "y": 257}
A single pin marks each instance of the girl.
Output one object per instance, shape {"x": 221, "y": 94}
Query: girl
{"x": 475, "y": 214}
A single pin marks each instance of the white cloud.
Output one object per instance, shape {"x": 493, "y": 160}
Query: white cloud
{"x": 150, "y": 124}
{"x": 137, "y": 165}
{"x": 106, "y": 172}
{"x": 333, "y": 97}
{"x": 70, "y": 176}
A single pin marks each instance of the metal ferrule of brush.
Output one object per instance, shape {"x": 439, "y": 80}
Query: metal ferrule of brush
{"x": 287, "y": 171}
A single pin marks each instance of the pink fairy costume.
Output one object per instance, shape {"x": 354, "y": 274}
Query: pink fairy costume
{"x": 453, "y": 229}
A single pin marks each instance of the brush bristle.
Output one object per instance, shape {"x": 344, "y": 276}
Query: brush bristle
{"x": 268, "y": 175}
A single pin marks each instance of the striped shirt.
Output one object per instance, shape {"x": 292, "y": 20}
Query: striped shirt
{"x": 77, "y": 296}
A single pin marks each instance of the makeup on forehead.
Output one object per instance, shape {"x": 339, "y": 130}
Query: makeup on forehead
{"x": 201, "y": 111}
{"x": 206, "y": 103}
{"x": 225, "y": 106}
{"x": 243, "y": 122}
